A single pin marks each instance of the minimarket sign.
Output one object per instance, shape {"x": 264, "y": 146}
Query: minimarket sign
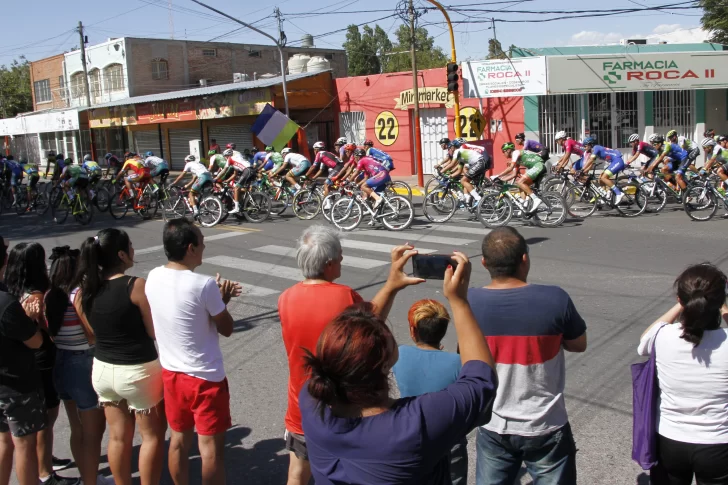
{"x": 637, "y": 72}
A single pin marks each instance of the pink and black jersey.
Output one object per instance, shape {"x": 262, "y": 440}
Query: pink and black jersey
{"x": 645, "y": 149}
{"x": 573, "y": 147}
{"x": 370, "y": 166}
{"x": 328, "y": 159}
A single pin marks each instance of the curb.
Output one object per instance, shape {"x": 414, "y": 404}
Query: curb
{"x": 415, "y": 191}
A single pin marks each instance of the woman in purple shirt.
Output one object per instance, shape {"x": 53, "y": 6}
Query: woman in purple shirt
{"x": 356, "y": 433}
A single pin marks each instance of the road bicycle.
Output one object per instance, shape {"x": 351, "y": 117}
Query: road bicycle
{"x": 38, "y": 202}
{"x": 701, "y": 199}
{"x": 306, "y": 203}
{"x": 441, "y": 203}
{"x": 210, "y": 208}
{"x": 280, "y": 194}
{"x": 255, "y": 206}
{"x": 144, "y": 202}
{"x": 497, "y": 209}
{"x": 588, "y": 195}
{"x": 395, "y": 212}
{"x": 78, "y": 206}
{"x": 398, "y": 187}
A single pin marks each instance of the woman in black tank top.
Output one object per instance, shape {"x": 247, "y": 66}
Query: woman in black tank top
{"x": 127, "y": 375}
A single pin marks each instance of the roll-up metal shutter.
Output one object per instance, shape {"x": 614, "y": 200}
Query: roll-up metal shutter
{"x": 147, "y": 141}
{"x": 238, "y": 134}
{"x": 179, "y": 145}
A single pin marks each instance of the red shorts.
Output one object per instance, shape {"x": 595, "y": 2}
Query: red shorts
{"x": 191, "y": 402}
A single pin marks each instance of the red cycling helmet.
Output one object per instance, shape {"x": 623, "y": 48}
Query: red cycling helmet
{"x": 349, "y": 147}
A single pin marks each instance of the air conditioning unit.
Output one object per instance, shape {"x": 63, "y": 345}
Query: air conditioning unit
{"x": 633, "y": 42}
{"x": 239, "y": 77}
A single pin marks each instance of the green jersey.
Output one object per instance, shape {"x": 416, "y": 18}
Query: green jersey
{"x": 529, "y": 159}
{"x": 276, "y": 158}
{"x": 75, "y": 171}
{"x": 219, "y": 161}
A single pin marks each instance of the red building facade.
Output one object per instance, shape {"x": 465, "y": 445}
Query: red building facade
{"x": 380, "y": 108}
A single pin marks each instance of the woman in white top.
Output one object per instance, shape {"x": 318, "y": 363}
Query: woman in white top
{"x": 692, "y": 369}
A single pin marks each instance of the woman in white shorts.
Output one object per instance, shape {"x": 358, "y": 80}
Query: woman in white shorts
{"x": 127, "y": 375}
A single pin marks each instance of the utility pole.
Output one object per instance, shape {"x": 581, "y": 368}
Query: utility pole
{"x": 453, "y": 59}
{"x": 416, "y": 92}
{"x": 171, "y": 21}
{"x": 83, "y": 63}
{"x": 277, "y": 42}
{"x": 281, "y": 43}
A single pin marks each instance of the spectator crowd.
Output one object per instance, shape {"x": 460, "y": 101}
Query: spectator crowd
{"x": 125, "y": 354}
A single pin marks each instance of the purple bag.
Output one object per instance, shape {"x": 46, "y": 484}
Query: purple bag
{"x": 645, "y": 391}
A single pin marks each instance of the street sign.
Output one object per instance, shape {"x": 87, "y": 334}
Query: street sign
{"x": 386, "y": 128}
{"x": 471, "y": 122}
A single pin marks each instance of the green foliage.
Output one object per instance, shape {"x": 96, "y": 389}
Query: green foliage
{"x": 715, "y": 20}
{"x": 15, "y": 94}
{"x": 495, "y": 51}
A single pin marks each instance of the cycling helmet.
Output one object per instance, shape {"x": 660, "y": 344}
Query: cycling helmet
{"x": 227, "y": 153}
{"x": 671, "y": 133}
{"x": 319, "y": 145}
{"x": 520, "y": 136}
{"x": 560, "y": 135}
{"x": 149, "y": 154}
{"x": 87, "y": 158}
{"x": 190, "y": 158}
{"x": 634, "y": 137}
{"x": 589, "y": 140}
{"x": 59, "y": 156}
{"x": 340, "y": 141}
{"x": 708, "y": 143}
{"x": 652, "y": 137}
{"x": 108, "y": 155}
{"x": 269, "y": 149}
{"x": 445, "y": 141}
{"x": 67, "y": 161}
{"x": 455, "y": 144}
{"x": 285, "y": 151}
{"x": 721, "y": 138}
{"x": 657, "y": 139}
{"x": 350, "y": 147}
{"x": 209, "y": 153}
{"x": 508, "y": 146}
{"x": 359, "y": 152}
{"x": 709, "y": 133}
{"x": 368, "y": 143}
{"x": 231, "y": 146}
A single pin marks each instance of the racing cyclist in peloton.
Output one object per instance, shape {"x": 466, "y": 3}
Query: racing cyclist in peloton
{"x": 571, "y": 147}
{"x": 242, "y": 167}
{"x": 717, "y": 153}
{"x": 339, "y": 146}
{"x": 57, "y": 169}
{"x": 380, "y": 156}
{"x": 16, "y": 172}
{"x": 474, "y": 161}
{"x": 218, "y": 166}
{"x": 376, "y": 175}
{"x": 94, "y": 172}
{"x": 692, "y": 149}
{"x": 349, "y": 161}
{"x": 325, "y": 159}
{"x": 532, "y": 146}
{"x": 299, "y": 166}
{"x": 615, "y": 164}
{"x": 74, "y": 177}
{"x": 671, "y": 154}
{"x": 272, "y": 156}
{"x": 447, "y": 163}
{"x": 31, "y": 169}
{"x": 158, "y": 167}
{"x": 113, "y": 163}
{"x": 200, "y": 178}
{"x": 535, "y": 165}
{"x": 138, "y": 173}
{"x": 642, "y": 148}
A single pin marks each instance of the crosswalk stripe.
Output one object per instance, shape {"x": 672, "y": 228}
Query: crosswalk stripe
{"x": 260, "y": 267}
{"x": 409, "y": 236}
{"x": 376, "y": 247}
{"x": 351, "y": 261}
{"x": 215, "y": 237}
{"x": 253, "y": 290}
{"x": 479, "y": 231}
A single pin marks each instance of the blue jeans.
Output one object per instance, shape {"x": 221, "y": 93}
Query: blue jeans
{"x": 72, "y": 375}
{"x": 550, "y": 459}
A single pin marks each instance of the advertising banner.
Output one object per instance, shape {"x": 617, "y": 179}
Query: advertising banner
{"x": 637, "y": 72}
{"x": 501, "y": 78}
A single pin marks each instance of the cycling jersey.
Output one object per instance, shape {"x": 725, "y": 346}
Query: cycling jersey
{"x": 239, "y": 163}
{"x": 153, "y": 162}
{"x": 720, "y": 153}
{"x": 533, "y": 146}
{"x": 218, "y": 161}
{"x": 135, "y": 166}
{"x": 31, "y": 169}
{"x": 645, "y": 149}
{"x": 370, "y": 166}
{"x": 328, "y": 159}
{"x": 466, "y": 155}
{"x": 529, "y": 159}
{"x": 91, "y": 167}
{"x": 573, "y": 147}
{"x": 295, "y": 159}
{"x": 276, "y": 158}
{"x": 74, "y": 172}
{"x": 259, "y": 158}
{"x": 13, "y": 167}
{"x": 196, "y": 168}
{"x": 606, "y": 154}
{"x": 381, "y": 157}
{"x": 686, "y": 143}
{"x": 674, "y": 152}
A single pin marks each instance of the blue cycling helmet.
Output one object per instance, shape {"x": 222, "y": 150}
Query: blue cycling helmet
{"x": 149, "y": 154}
{"x": 455, "y": 144}
{"x": 589, "y": 140}
{"x": 108, "y": 155}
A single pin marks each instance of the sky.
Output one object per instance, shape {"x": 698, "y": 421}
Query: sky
{"x": 151, "y": 18}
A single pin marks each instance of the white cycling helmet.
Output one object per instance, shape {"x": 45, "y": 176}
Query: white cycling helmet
{"x": 708, "y": 142}
{"x": 560, "y": 135}
{"x": 228, "y": 153}
{"x": 634, "y": 137}
{"x": 341, "y": 141}
{"x": 190, "y": 158}
{"x": 87, "y": 158}
{"x": 285, "y": 151}
{"x": 653, "y": 137}
{"x": 319, "y": 145}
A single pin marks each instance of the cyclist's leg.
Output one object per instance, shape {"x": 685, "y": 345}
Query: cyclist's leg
{"x": 680, "y": 173}
{"x": 375, "y": 184}
{"x": 525, "y": 183}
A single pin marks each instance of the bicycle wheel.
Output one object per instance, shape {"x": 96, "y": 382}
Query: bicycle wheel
{"x": 55, "y": 196}
{"x": 60, "y": 211}
{"x": 8, "y": 198}
{"x": 280, "y": 199}
{"x": 83, "y": 214}
{"x": 562, "y": 187}
{"x": 347, "y": 213}
{"x": 41, "y": 203}
{"x": 211, "y": 211}
{"x": 306, "y": 204}
{"x": 173, "y": 208}
{"x": 329, "y": 200}
{"x": 700, "y": 203}
{"x": 585, "y": 201}
{"x": 21, "y": 207}
{"x": 655, "y": 197}
{"x": 634, "y": 202}
{"x": 495, "y": 210}
{"x": 397, "y": 213}
{"x": 256, "y": 207}
{"x": 397, "y": 187}
{"x": 147, "y": 206}
{"x": 439, "y": 205}
{"x": 552, "y": 212}
{"x": 118, "y": 207}
{"x": 102, "y": 199}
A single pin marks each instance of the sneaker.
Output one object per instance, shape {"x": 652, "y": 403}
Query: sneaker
{"x": 234, "y": 210}
{"x": 327, "y": 205}
{"x": 378, "y": 203}
{"x": 61, "y": 463}
{"x": 56, "y": 479}
{"x": 535, "y": 204}
{"x": 618, "y": 198}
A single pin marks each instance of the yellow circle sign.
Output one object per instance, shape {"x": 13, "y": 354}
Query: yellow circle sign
{"x": 386, "y": 128}
{"x": 471, "y": 123}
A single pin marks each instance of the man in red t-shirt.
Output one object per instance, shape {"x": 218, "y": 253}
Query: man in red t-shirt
{"x": 214, "y": 145}
{"x": 319, "y": 257}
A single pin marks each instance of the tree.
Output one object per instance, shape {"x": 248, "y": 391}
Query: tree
{"x": 15, "y": 94}
{"x": 495, "y": 51}
{"x": 361, "y": 51}
{"x": 428, "y": 55}
{"x": 715, "y": 20}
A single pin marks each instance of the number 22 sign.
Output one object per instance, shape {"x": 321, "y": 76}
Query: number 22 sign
{"x": 386, "y": 128}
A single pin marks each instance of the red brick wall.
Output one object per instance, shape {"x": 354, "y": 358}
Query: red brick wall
{"x": 50, "y": 68}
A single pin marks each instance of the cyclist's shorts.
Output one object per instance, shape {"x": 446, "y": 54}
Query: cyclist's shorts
{"x": 579, "y": 164}
{"x": 245, "y": 178}
{"x": 693, "y": 155}
{"x": 648, "y": 162}
{"x": 162, "y": 167}
{"x": 136, "y": 177}
{"x": 33, "y": 181}
{"x": 268, "y": 165}
{"x": 15, "y": 179}
{"x": 534, "y": 172}
{"x": 80, "y": 182}
{"x": 201, "y": 181}
{"x": 301, "y": 169}
{"x": 379, "y": 181}
{"x": 545, "y": 154}
{"x": 671, "y": 164}
{"x": 684, "y": 166}
{"x": 333, "y": 172}
{"x": 615, "y": 167}
{"x": 476, "y": 168}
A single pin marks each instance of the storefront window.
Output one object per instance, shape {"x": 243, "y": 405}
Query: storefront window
{"x": 600, "y": 118}
{"x": 673, "y": 110}
{"x": 556, "y": 113}
{"x": 627, "y": 120}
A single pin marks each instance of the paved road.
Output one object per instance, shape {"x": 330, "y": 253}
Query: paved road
{"x": 618, "y": 271}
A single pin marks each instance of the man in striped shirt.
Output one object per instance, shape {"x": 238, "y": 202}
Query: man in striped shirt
{"x": 528, "y": 327}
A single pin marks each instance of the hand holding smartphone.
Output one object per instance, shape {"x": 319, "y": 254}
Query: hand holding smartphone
{"x": 432, "y": 266}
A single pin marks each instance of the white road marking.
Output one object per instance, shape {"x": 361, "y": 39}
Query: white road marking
{"x": 214, "y": 237}
{"x": 350, "y": 261}
{"x": 479, "y": 231}
{"x": 260, "y": 267}
{"x": 253, "y": 290}
{"x": 377, "y": 247}
{"x": 408, "y": 236}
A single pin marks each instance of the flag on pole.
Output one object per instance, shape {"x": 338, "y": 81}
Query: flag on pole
{"x": 274, "y": 128}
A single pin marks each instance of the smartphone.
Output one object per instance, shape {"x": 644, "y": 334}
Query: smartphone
{"x": 431, "y": 266}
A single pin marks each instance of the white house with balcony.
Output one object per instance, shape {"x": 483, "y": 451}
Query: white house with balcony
{"x": 108, "y": 74}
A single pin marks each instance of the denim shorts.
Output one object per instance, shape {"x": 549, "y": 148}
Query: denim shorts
{"x": 72, "y": 376}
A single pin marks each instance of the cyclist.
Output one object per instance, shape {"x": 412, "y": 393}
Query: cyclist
{"x": 571, "y": 147}
{"x": 31, "y": 169}
{"x": 74, "y": 177}
{"x": 348, "y": 159}
{"x": 298, "y": 163}
{"x": 382, "y": 157}
{"x": 15, "y": 171}
{"x": 219, "y": 166}
{"x": 135, "y": 172}
{"x": 113, "y": 163}
{"x": 57, "y": 169}
{"x": 641, "y": 148}
{"x": 615, "y": 164}
{"x": 474, "y": 161}
{"x": 339, "y": 145}
{"x": 446, "y": 164}
{"x": 530, "y": 160}
{"x": 93, "y": 170}
{"x": 272, "y": 156}
{"x": 243, "y": 171}
{"x": 532, "y": 146}
{"x": 325, "y": 159}
{"x": 671, "y": 153}
{"x": 692, "y": 149}
{"x": 200, "y": 178}
{"x": 376, "y": 175}
{"x": 233, "y": 147}
{"x": 716, "y": 153}
{"x": 157, "y": 167}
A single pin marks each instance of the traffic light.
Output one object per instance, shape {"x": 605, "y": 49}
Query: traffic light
{"x": 452, "y": 77}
